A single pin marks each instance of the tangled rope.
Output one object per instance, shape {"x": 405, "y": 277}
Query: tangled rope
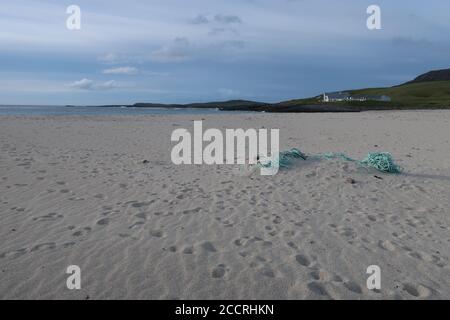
{"x": 283, "y": 160}
{"x": 381, "y": 161}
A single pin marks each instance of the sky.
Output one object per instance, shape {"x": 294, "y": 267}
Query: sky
{"x": 179, "y": 51}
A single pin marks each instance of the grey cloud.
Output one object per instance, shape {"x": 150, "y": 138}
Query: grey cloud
{"x": 227, "y": 19}
{"x": 218, "y": 18}
{"x": 219, "y": 31}
{"x": 177, "y": 51}
{"x": 200, "y": 19}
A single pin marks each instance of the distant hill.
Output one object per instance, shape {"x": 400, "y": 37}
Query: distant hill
{"x": 435, "y": 75}
{"x": 245, "y": 105}
{"x": 221, "y": 105}
{"x": 430, "y": 90}
{"x": 415, "y": 95}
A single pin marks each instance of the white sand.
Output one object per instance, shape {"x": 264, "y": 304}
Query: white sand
{"x": 74, "y": 190}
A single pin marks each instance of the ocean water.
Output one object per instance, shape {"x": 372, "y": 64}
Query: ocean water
{"x": 66, "y": 110}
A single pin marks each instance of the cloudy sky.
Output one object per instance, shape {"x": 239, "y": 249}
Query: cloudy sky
{"x": 198, "y": 50}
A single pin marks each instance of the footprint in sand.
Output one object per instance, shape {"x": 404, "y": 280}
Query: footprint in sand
{"x": 142, "y": 215}
{"x": 188, "y": 250}
{"x": 418, "y": 291}
{"x": 292, "y": 245}
{"x": 14, "y": 253}
{"x": 244, "y": 254}
{"x": 277, "y": 220}
{"x": 352, "y": 286}
{"x": 77, "y": 233}
{"x": 48, "y": 217}
{"x": 140, "y": 204}
{"x": 85, "y": 230}
{"x": 268, "y": 272}
{"x": 387, "y": 245}
{"x": 172, "y": 249}
{"x": 289, "y": 233}
{"x": 240, "y": 242}
{"x": 191, "y": 211}
{"x": 44, "y": 246}
{"x": 273, "y": 233}
{"x": 317, "y": 288}
{"x": 208, "y": 247}
{"x": 103, "y": 222}
{"x": 157, "y": 233}
{"x": 321, "y": 275}
{"x": 347, "y": 232}
{"x": 219, "y": 271}
{"x": 302, "y": 260}
{"x": 136, "y": 224}
{"x": 69, "y": 244}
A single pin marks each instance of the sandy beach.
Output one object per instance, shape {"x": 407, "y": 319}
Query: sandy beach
{"x": 75, "y": 190}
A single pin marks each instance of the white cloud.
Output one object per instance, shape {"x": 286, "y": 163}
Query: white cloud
{"x": 87, "y": 84}
{"x": 84, "y": 84}
{"x": 121, "y": 70}
{"x": 111, "y": 84}
{"x": 110, "y": 58}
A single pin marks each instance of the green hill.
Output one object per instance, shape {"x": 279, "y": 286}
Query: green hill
{"x": 435, "y": 75}
{"x": 434, "y": 94}
{"x": 419, "y": 95}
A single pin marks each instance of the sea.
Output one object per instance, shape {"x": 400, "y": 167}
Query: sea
{"x": 87, "y": 111}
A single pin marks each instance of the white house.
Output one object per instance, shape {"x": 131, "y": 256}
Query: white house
{"x": 345, "y": 96}
{"x": 335, "y": 96}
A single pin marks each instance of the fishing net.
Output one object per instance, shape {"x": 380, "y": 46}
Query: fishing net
{"x": 284, "y": 159}
{"x": 381, "y": 161}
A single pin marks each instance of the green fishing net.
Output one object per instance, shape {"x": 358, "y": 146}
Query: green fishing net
{"x": 381, "y": 161}
{"x": 283, "y": 160}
